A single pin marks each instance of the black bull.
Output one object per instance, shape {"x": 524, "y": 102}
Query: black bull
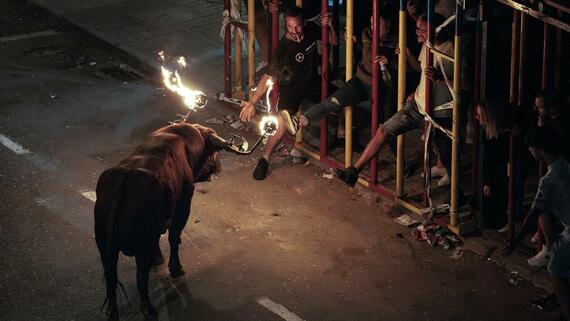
{"x": 146, "y": 194}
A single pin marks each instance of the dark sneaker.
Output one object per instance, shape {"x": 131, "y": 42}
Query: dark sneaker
{"x": 291, "y": 122}
{"x": 260, "y": 171}
{"x": 349, "y": 175}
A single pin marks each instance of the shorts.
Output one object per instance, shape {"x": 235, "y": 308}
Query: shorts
{"x": 559, "y": 263}
{"x": 404, "y": 120}
{"x": 290, "y": 99}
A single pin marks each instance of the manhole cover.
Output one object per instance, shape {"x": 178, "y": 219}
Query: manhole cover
{"x": 50, "y": 57}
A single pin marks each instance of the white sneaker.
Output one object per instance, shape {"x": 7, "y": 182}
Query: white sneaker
{"x": 541, "y": 259}
{"x": 445, "y": 180}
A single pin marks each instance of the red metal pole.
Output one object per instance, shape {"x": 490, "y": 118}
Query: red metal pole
{"x": 375, "y": 86}
{"x": 545, "y": 49}
{"x": 228, "y": 56}
{"x": 274, "y": 28}
{"x": 513, "y": 139}
{"x": 477, "y": 95}
{"x": 541, "y": 165}
{"x": 325, "y": 76}
{"x": 274, "y": 42}
{"x": 429, "y": 62}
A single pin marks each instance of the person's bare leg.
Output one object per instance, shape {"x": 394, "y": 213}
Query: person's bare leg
{"x": 274, "y": 140}
{"x": 547, "y": 227}
{"x": 373, "y": 147}
{"x": 562, "y": 290}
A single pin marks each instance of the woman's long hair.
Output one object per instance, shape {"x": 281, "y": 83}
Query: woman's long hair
{"x": 495, "y": 118}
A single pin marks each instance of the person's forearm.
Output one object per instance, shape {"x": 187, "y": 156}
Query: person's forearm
{"x": 261, "y": 88}
{"x": 333, "y": 39}
{"x": 532, "y": 216}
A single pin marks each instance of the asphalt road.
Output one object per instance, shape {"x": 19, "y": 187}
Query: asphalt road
{"x": 297, "y": 246}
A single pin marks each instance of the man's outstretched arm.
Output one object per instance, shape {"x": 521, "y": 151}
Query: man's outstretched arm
{"x": 248, "y": 108}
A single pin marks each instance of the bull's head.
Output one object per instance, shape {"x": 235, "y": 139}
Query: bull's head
{"x": 210, "y": 162}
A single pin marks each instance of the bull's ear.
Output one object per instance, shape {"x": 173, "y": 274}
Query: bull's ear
{"x": 218, "y": 142}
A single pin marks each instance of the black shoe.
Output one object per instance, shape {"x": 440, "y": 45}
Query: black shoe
{"x": 349, "y": 175}
{"x": 260, "y": 171}
{"x": 291, "y": 122}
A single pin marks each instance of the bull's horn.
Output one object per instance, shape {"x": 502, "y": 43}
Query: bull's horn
{"x": 219, "y": 142}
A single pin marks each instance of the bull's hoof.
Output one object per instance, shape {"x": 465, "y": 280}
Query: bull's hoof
{"x": 148, "y": 311}
{"x": 112, "y": 314}
{"x": 176, "y": 271}
{"x": 159, "y": 260}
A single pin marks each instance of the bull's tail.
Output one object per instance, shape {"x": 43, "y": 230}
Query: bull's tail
{"x": 129, "y": 203}
{"x": 110, "y": 190}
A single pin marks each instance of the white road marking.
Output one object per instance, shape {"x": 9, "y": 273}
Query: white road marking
{"x": 29, "y": 35}
{"x": 13, "y": 146}
{"x": 90, "y": 195}
{"x": 278, "y": 309}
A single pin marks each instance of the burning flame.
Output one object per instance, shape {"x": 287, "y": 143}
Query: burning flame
{"x": 268, "y": 124}
{"x": 193, "y": 99}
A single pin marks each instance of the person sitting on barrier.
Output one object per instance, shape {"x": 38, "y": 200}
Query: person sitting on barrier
{"x": 490, "y": 197}
{"x": 359, "y": 89}
{"x": 295, "y": 65}
{"x": 411, "y": 116}
{"x": 551, "y": 203}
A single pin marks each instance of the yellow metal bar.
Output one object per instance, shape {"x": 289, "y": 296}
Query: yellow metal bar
{"x": 349, "y": 59}
{"x": 251, "y": 43}
{"x": 411, "y": 207}
{"x": 299, "y": 135}
{"x": 401, "y": 100}
{"x": 308, "y": 152}
{"x": 239, "y": 75}
{"x": 456, "y": 132}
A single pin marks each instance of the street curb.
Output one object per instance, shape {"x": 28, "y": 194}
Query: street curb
{"x": 145, "y": 68}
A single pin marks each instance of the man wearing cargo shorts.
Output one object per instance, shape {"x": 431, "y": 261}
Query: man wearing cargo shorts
{"x": 411, "y": 116}
{"x": 551, "y": 203}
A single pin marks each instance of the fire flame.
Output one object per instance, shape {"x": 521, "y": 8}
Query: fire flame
{"x": 193, "y": 99}
{"x": 268, "y": 124}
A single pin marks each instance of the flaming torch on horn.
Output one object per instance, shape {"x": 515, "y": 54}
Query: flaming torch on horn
{"x": 193, "y": 99}
{"x": 268, "y": 124}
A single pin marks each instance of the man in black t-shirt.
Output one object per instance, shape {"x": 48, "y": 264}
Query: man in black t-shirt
{"x": 295, "y": 68}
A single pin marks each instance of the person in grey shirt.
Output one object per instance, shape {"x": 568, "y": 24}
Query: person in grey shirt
{"x": 552, "y": 202}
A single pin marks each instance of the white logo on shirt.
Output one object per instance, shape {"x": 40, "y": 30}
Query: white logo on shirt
{"x": 299, "y": 57}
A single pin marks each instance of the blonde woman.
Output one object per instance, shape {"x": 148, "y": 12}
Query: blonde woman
{"x": 495, "y": 120}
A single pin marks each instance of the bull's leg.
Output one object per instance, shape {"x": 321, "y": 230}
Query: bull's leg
{"x": 174, "y": 240}
{"x": 177, "y": 224}
{"x": 110, "y": 266}
{"x": 158, "y": 258}
{"x": 144, "y": 263}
